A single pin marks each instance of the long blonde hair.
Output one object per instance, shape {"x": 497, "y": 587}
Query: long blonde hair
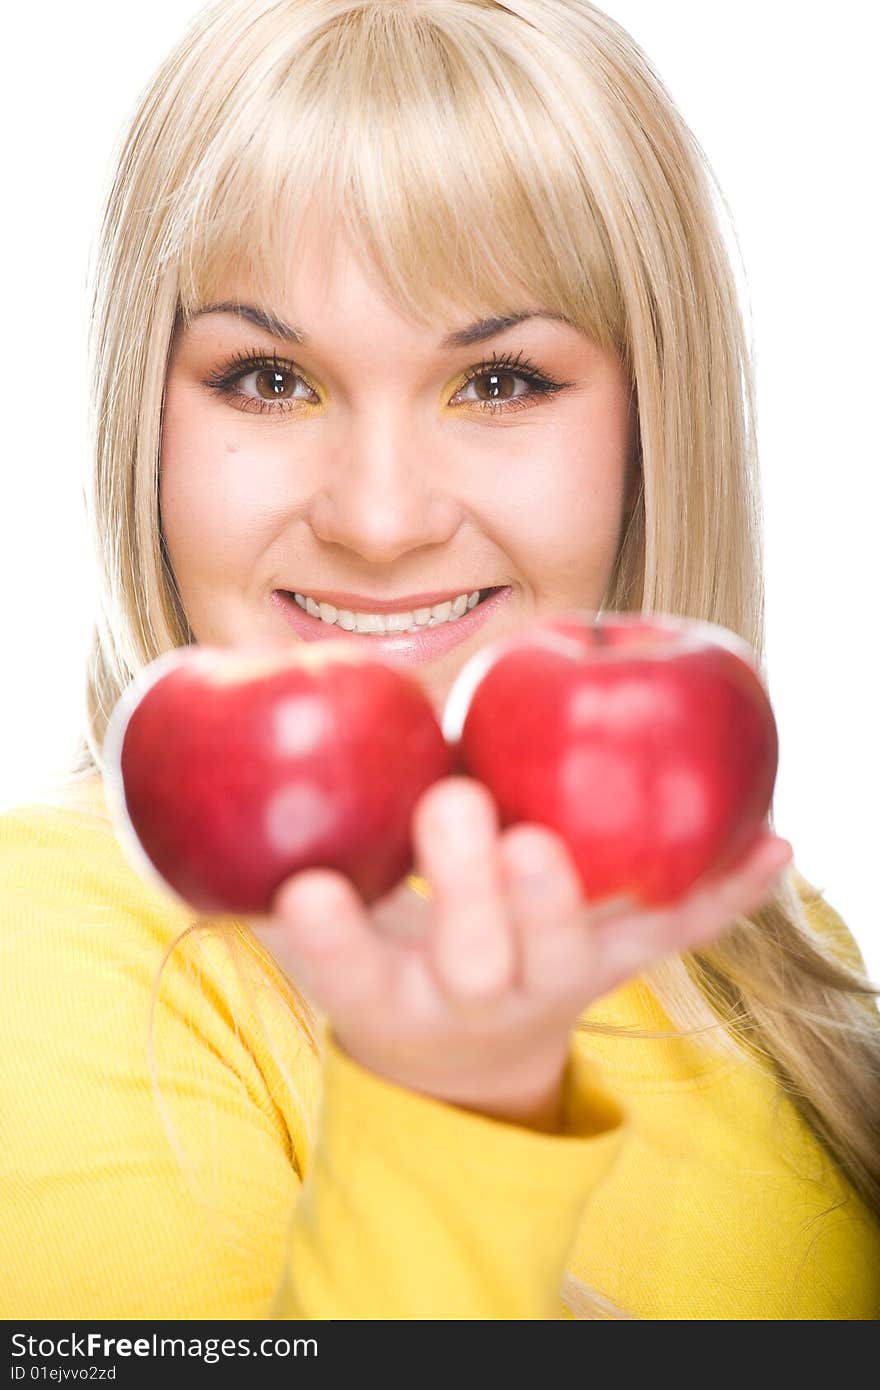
{"x": 472, "y": 149}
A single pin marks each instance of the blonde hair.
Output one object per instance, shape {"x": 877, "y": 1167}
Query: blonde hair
{"x": 473, "y": 149}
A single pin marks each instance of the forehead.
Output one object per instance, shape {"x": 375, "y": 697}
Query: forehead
{"x": 238, "y": 310}
{"x": 322, "y": 269}
{"x": 324, "y": 274}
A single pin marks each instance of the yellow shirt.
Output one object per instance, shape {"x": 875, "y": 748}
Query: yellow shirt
{"x": 270, "y": 1180}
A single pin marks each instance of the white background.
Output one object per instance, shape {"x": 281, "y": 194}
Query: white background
{"x": 781, "y": 99}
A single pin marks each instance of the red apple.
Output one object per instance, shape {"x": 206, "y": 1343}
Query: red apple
{"x": 647, "y": 743}
{"x": 230, "y": 769}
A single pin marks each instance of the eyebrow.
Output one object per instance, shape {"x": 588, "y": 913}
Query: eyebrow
{"x": 475, "y": 332}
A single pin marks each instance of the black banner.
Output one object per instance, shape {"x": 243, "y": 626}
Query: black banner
{"x": 134, "y": 1354}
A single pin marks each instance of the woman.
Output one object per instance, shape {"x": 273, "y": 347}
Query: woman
{"x": 320, "y": 206}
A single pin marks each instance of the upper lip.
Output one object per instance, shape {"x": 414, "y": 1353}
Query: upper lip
{"x": 362, "y": 603}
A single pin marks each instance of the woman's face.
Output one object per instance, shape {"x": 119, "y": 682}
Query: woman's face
{"x": 360, "y": 468}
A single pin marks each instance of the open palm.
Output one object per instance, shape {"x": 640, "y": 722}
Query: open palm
{"x": 473, "y": 993}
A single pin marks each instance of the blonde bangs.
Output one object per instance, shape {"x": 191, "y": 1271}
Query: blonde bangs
{"x": 449, "y": 163}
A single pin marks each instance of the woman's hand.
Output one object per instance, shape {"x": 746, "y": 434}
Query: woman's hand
{"x": 471, "y": 996}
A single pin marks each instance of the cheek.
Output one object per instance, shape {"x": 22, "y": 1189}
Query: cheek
{"x": 213, "y": 488}
{"x": 562, "y": 516}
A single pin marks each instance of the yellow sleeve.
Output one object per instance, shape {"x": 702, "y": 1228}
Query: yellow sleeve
{"x": 104, "y": 1212}
{"x": 185, "y": 1189}
{"x": 416, "y": 1209}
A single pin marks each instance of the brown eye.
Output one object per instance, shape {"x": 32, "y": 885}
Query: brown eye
{"x": 273, "y": 384}
{"x": 261, "y": 385}
{"x": 495, "y": 386}
{"x": 506, "y": 384}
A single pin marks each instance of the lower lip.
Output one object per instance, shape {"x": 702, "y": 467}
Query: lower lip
{"x": 410, "y": 648}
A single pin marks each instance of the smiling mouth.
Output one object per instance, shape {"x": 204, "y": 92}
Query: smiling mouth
{"x": 405, "y": 621}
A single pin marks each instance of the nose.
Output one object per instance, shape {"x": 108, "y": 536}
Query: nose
{"x": 380, "y": 498}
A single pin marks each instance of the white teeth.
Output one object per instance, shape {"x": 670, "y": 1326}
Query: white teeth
{"x": 368, "y": 622}
{"x": 398, "y": 622}
{"x": 380, "y": 623}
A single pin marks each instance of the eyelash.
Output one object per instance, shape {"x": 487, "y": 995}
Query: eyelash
{"x": 241, "y": 364}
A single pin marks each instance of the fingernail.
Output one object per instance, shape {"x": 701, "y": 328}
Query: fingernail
{"x": 534, "y": 870}
{"x": 460, "y": 833}
{"x": 533, "y": 885}
{"x": 533, "y": 861}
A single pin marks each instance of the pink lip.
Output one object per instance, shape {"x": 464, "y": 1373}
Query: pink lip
{"x": 410, "y": 648}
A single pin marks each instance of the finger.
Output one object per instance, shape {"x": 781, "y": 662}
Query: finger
{"x": 319, "y": 932}
{"x": 715, "y": 905}
{"x": 547, "y": 907}
{"x": 470, "y": 946}
{"x": 402, "y": 914}
{"x": 632, "y": 942}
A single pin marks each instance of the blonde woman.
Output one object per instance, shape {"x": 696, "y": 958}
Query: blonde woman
{"x": 397, "y": 301}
